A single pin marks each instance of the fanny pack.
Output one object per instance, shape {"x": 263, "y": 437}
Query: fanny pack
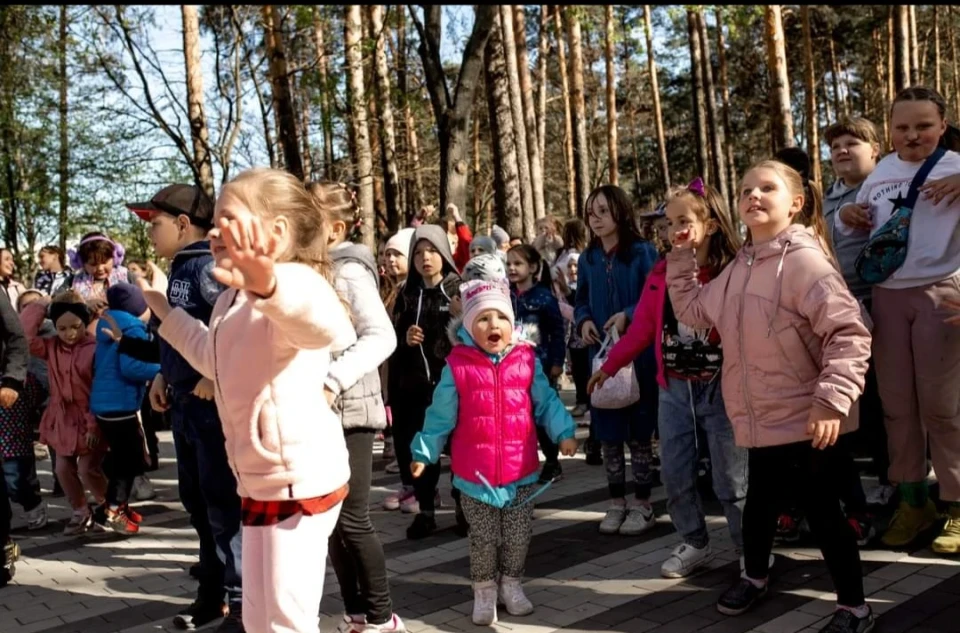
{"x": 886, "y": 250}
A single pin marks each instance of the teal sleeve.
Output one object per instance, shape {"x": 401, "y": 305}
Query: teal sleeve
{"x": 440, "y": 419}
{"x": 548, "y": 409}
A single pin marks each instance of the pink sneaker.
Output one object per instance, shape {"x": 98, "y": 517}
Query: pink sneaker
{"x": 399, "y": 498}
{"x": 412, "y": 506}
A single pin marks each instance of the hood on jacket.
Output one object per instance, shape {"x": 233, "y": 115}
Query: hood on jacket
{"x": 349, "y": 251}
{"x": 438, "y": 238}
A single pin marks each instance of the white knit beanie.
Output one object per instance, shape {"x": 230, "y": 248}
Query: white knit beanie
{"x": 479, "y": 296}
{"x": 400, "y": 242}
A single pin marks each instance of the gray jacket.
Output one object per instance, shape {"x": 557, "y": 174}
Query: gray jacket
{"x": 354, "y": 372}
{"x": 847, "y": 247}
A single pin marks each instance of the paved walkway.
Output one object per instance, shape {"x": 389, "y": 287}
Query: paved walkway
{"x": 578, "y": 580}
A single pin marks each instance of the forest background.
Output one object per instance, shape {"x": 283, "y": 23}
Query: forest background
{"x": 511, "y": 112}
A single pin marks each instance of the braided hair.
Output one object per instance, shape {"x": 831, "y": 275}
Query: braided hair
{"x": 338, "y": 202}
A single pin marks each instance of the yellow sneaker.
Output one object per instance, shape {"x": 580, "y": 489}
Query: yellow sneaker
{"x": 908, "y": 522}
{"x": 949, "y": 540}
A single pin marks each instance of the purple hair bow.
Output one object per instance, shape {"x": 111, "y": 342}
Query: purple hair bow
{"x": 696, "y": 186}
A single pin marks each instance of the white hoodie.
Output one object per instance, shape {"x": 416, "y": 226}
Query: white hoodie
{"x": 933, "y": 253}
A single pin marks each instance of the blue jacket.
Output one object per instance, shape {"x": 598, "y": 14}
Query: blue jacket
{"x": 119, "y": 381}
{"x": 537, "y": 313}
{"x": 193, "y": 288}
{"x": 441, "y": 418}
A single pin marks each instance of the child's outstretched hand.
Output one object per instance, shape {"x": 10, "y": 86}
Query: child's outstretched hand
{"x": 824, "y": 426}
{"x": 856, "y": 216}
{"x": 112, "y": 330}
{"x": 8, "y": 397}
{"x": 596, "y": 380}
{"x": 568, "y": 447}
{"x": 157, "y": 301}
{"x": 204, "y": 389}
{"x": 947, "y": 188}
{"x": 251, "y": 253}
{"x": 417, "y": 468}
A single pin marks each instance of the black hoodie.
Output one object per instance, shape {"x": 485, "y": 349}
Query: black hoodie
{"x": 418, "y": 368}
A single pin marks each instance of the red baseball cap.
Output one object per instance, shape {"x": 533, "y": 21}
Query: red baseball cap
{"x": 177, "y": 200}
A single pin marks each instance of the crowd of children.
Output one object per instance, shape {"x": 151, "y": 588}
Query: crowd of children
{"x": 773, "y": 353}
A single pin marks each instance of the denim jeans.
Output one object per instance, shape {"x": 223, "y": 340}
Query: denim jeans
{"x": 22, "y": 485}
{"x": 208, "y": 492}
{"x": 684, "y": 406}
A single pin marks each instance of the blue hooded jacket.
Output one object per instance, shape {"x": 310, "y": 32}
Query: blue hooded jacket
{"x": 119, "y": 381}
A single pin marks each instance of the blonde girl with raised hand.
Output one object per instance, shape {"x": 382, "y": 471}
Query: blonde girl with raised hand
{"x": 270, "y": 336}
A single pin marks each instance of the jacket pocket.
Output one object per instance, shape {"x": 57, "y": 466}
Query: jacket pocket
{"x": 796, "y": 355}
{"x": 265, "y": 433}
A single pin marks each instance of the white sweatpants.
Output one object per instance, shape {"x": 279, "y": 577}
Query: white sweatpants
{"x": 283, "y": 570}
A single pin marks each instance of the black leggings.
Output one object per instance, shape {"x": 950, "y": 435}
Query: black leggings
{"x": 799, "y": 471}
{"x": 580, "y": 364}
{"x": 408, "y": 417}
{"x": 125, "y": 461}
{"x": 355, "y": 549}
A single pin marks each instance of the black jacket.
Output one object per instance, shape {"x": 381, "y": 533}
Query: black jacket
{"x": 417, "y": 369}
{"x": 13, "y": 348}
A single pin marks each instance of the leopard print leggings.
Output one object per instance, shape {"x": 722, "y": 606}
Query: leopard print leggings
{"x": 499, "y": 537}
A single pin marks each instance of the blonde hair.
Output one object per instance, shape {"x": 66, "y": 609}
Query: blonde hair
{"x": 724, "y": 243}
{"x": 337, "y": 202}
{"x": 271, "y": 193}
{"x": 811, "y": 214}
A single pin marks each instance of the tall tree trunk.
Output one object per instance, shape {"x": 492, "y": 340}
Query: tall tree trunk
{"x": 203, "y": 164}
{"x": 835, "y": 75}
{"x": 725, "y": 97}
{"x": 358, "y": 107}
{"x": 63, "y": 168}
{"x": 914, "y": 53}
{"x": 373, "y": 121}
{"x": 326, "y": 115}
{"x": 581, "y": 155}
{"x": 779, "y": 82}
{"x": 567, "y": 114}
{"x": 655, "y": 94}
{"x": 502, "y": 134}
{"x": 543, "y": 50}
{"x": 951, "y": 35}
{"x": 901, "y": 47}
{"x": 476, "y": 170}
{"x": 718, "y": 167}
{"x": 388, "y": 141}
{"x": 280, "y": 82}
{"x": 519, "y": 122}
{"x": 529, "y": 111}
{"x": 882, "y": 70}
{"x": 892, "y": 59}
{"x": 453, "y": 108}
{"x": 303, "y": 106}
{"x": 937, "y": 79}
{"x": 699, "y": 102}
{"x": 611, "y": 96}
{"x": 415, "y": 175}
{"x": 810, "y": 96}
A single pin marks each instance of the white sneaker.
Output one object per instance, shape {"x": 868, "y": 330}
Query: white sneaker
{"x": 513, "y": 598}
{"x": 80, "y": 522}
{"x": 881, "y": 495}
{"x": 143, "y": 489}
{"x": 37, "y": 518}
{"x": 394, "y": 625}
{"x": 485, "y": 603}
{"x": 639, "y": 520}
{"x": 684, "y": 560}
{"x": 393, "y": 468}
{"x": 393, "y": 500}
{"x": 352, "y": 623}
{"x": 613, "y": 519}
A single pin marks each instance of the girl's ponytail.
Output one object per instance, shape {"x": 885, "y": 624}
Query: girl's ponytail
{"x": 812, "y": 216}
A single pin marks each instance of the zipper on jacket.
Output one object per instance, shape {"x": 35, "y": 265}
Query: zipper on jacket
{"x": 497, "y": 419}
{"x": 423, "y": 354}
{"x": 216, "y": 372}
{"x": 743, "y": 356}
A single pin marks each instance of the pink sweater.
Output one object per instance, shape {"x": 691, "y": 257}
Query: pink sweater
{"x": 268, "y": 359}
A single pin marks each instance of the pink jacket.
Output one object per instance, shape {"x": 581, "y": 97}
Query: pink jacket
{"x": 495, "y": 432}
{"x": 792, "y": 335}
{"x": 67, "y": 418}
{"x": 646, "y": 326}
{"x": 267, "y": 358}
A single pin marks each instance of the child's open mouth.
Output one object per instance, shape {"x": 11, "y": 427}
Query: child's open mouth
{"x": 494, "y": 338}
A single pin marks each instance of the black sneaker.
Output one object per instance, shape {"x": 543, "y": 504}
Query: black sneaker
{"x": 11, "y": 554}
{"x": 740, "y": 597}
{"x": 422, "y": 527}
{"x": 844, "y": 621}
{"x": 195, "y": 571}
{"x": 551, "y": 472}
{"x": 463, "y": 526}
{"x": 233, "y": 623}
{"x": 201, "y": 612}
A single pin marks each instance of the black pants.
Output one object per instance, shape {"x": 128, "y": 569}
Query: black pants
{"x": 551, "y": 452}
{"x": 408, "y": 417}
{"x": 152, "y": 422}
{"x": 580, "y": 362}
{"x": 811, "y": 477}
{"x": 355, "y": 549}
{"x": 6, "y": 515}
{"x": 125, "y": 461}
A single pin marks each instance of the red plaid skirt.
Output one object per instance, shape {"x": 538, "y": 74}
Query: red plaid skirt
{"x": 261, "y": 513}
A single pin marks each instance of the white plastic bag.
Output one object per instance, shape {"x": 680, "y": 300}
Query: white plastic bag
{"x": 620, "y": 390}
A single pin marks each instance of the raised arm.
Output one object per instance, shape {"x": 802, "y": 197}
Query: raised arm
{"x": 31, "y": 319}
{"x": 690, "y": 298}
{"x": 13, "y": 365}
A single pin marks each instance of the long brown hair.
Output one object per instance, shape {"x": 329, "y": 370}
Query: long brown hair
{"x": 724, "y": 242}
{"x": 621, "y": 209}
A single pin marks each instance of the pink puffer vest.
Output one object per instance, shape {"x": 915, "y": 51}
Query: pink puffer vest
{"x": 495, "y": 432}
